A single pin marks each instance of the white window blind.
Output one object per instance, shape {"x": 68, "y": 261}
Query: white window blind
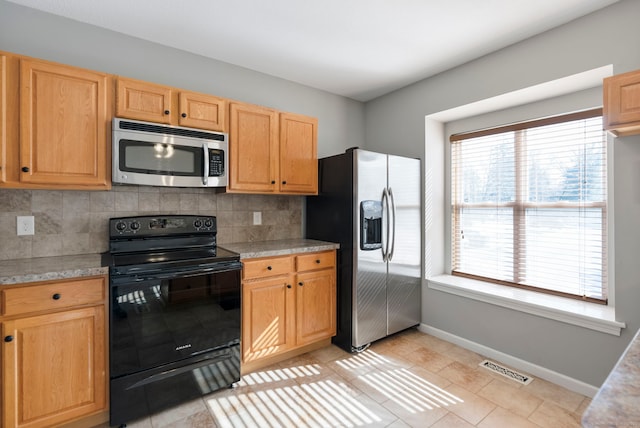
{"x": 529, "y": 205}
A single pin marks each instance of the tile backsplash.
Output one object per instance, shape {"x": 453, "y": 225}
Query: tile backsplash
{"x": 76, "y": 222}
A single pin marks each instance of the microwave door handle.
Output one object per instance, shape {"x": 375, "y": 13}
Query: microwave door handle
{"x": 205, "y": 150}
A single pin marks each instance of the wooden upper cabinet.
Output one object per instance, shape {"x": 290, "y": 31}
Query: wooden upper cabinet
{"x": 149, "y": 102}
{"x": 64, "y": 126}
{"x": 253, "y": 147}
{"x": 3, "y": 117}
{"x": 622, "y": 103}
{"x": 271, "y": 151}
{"x": 298, "y": 154}
{"x": 202, "y": 111}
{"x": 143, "y": 101}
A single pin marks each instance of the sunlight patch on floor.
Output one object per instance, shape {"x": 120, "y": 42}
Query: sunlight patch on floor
{"x": 322, "y": 403}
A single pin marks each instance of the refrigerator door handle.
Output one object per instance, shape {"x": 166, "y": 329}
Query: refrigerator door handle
{"x": 385, "y": 205}
{"x": 393, "y": 225}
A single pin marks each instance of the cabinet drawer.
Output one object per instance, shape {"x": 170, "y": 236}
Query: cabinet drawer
{"x": 260, "y": 268}
{"x": 52, "y": 295}
{"x": 315, "y": 261}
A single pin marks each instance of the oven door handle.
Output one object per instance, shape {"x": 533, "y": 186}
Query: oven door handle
{"x": 175, "y": 273}
{"x": 180, "y": 370}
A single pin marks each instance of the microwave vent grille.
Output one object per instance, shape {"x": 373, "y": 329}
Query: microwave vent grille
{"x": 171, "y": 130}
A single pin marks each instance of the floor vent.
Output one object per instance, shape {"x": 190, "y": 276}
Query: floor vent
{"x": 506, "y": 372}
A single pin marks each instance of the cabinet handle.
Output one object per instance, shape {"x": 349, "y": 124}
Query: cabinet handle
{"x": 269, "y": 268}
{"x": 288, "y": 285}
{"x": 25, "y": 169}
{"x": 301, "y": 284}
{"x": 56, "y": 296}
{"x": 184, "y": 115}
{"x": 8, "y": 339}
{"x": 167, "y": 112}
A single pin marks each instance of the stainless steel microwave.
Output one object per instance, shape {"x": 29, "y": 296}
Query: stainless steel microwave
{"x": 161, "y": 155}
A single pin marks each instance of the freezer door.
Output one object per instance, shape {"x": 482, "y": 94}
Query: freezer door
{"x": 403, "y": 283}
{"x": 370, "y": 271}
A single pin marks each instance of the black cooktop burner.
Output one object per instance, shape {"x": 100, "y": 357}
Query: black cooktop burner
{"x": 170, "y": 258}
{"x": 153, "y": 243}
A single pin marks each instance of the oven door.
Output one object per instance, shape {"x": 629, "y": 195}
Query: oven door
{"x": 158, "y": 389}
{"x": 158, "y": 318}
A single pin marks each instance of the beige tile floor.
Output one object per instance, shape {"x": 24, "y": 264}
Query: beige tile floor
{"x": 408, "y": 380}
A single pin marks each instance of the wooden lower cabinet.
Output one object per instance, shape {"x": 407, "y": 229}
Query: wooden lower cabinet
{"x": 268, "y": 319}
{"x": 286, "y": 311}
{"x": 54, "y": 361}
{"x": 315, "y": 306}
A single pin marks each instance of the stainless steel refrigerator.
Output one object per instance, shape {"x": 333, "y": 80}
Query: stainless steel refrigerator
{"x": 369, "y": 203}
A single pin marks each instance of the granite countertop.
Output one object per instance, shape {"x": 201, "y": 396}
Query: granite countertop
{"x": 61, "y": 267}
{"x": 249, "y": 250}
{"x": 617, "y": 403}
{"x": 49, "y": 268}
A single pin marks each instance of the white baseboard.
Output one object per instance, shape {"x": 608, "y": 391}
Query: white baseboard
{"x": 516, "y": 363}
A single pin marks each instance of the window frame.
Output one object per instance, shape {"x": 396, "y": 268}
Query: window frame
{"x": 520, "y": 204}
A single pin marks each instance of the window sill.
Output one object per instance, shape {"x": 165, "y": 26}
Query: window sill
{"x": 588, "y": 315}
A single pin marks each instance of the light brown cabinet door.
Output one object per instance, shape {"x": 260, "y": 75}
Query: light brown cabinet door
{"x": 202, "y": 111}
{"x": 144, "y": 101}
{"x": 267, "y": 317}
{"x": 253, "y": 146}
{"x": 3, "y": 118}
{"x": 622, "y": 103}
{"x": 64, "y": 119}
{"x": 315, "y": 306}
{"x": 298, "y": 154}
{"x": 54, "y": 367}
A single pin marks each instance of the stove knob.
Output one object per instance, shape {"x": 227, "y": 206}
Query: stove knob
{"x": 197, "y": 224}
{"x": 121, "y": 226}
{"x": 135, "y": 225}
{"x": 208, "y": 222}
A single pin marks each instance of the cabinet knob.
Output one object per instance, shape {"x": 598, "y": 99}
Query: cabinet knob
{"x": 184, "y": 115}
{"x": 56, "y": 296}
{"x": 8, "y": 339}
{"x": 284, "y": 182}
{"x": 25, "y": 169}
{"x": 301, "y": 284}
{"x": 167, "y": 112}
{"x": 273, "y": 181}
{"x": 318, "y": 261}
{"x": 288, "y": 285}
{"x": 269, "y": 268}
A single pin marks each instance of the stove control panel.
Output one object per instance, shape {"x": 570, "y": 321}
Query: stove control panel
{"x": 161, "y": 225}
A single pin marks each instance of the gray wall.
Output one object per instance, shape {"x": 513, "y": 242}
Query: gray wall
{"x": 609, "y": 36}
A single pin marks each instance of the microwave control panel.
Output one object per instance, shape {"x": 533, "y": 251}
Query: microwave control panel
{"x": 216, "y": 163}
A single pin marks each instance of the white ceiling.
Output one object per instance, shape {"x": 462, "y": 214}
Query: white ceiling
{"x": 356, "y": 48}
